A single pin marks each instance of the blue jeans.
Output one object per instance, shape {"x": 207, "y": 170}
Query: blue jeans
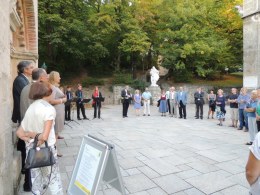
{"x": 243, "y": 120}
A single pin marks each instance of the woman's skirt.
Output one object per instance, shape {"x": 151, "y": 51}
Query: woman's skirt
{"x": 163, "y": 108}
{"x": 220, "y": 114}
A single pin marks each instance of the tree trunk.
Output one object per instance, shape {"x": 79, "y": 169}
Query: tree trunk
{"x": 118, "y": 61}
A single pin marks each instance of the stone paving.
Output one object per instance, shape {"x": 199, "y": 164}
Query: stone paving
{"x": 164, "y": 155}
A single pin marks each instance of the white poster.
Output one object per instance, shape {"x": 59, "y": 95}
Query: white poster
{"x": 87, "y": 169}
{"x": 250, "y": 81}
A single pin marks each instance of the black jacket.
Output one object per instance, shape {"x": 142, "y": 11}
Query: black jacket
{"x": 19, "y": 83}
{"x": 199, "y": 97}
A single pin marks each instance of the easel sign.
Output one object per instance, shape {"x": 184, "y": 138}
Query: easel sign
{"x": 96, "y": 166}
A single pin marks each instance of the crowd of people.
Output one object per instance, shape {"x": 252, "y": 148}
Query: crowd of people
{"x": 41, "y": 108}
{"x": 44, "y": 101}
{"x": 244, "y": 107}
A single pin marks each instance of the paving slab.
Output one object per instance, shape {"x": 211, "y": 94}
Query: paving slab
{"x": 163, "y": 155}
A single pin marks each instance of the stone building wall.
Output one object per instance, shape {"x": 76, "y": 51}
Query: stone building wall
{"x": 251, "y": 42}
{"x": 18, "y": 41}
{"x": 6, "y": 148}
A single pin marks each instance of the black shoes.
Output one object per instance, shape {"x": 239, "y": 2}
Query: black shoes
{"x": 23, "y": 171}
{"x": 79, "y": 118}
{"x": 249, "y": 143}
{"x": 27, "y": 187}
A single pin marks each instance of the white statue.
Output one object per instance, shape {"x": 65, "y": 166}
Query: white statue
{"x": 154, "y": 76}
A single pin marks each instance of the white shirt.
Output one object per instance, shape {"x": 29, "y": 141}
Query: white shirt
{"x": 255, "y": 149}
{"x": 39, "y": 112}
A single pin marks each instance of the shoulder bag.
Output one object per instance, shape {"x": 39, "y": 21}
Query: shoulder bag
{"x": 39, "y": 157}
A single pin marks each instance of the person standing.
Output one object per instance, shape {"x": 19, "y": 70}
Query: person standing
{"x": 258, "y": 111}
{"x": 137, "y": 102}
{"x": 220, "y": 103}
{"x": 97, "y": 97}
{"x": 182, "y": 101}
{"x": 242, "y": 101}
{"x": 80, "y": 103}
{"x": 232, "y": 99}
{"x": 163, "y": 108}
{"x": 25, "y": 69}
{"x": 58, "y": 102}
{"x": 146, "y": 99}
{"x": 69, "y": 96}
{"x": 212, "y": 103}
{"x": 167, "y": 93}
{"x": 126, "y": 97}
{"x": 43, "y": 115}
{"x": 172, "y": 102}
{"x": 199, "y": 101}
{"x": 251, "y": 109}
{"x": 38, "y": 74}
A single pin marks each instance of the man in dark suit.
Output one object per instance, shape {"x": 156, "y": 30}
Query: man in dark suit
{"x": 24, "y": 73}
{"x": 68, "y": 103}
{"x": 199, "y": 101}
{"x": 126, "y": 97}
{"x": 80, "y": 103}
{"x": 25, "y": 69}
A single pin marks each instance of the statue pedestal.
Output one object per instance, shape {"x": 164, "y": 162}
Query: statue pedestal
{"x": 156, "y": 94}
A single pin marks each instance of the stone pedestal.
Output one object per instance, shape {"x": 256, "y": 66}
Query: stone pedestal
{"x": 251, "y": 42}
{"x": 156, "y": 93}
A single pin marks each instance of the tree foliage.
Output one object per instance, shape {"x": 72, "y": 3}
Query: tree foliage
{"x": 194, "y": 37}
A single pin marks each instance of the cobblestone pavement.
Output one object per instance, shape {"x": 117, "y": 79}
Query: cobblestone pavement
{"x": 164, "y": 155}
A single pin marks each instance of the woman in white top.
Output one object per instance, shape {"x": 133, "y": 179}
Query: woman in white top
{"x": 253, "y": 167}
{"x": 39, "y": 119}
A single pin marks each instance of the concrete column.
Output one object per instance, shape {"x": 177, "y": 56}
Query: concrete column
{"x": 251, "y": 43}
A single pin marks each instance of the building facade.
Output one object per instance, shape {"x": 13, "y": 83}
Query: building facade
{"x": 18, "y": 41}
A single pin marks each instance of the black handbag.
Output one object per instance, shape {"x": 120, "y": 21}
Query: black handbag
{"x": 39, "y": 157}
{"x": 158, "y": 103}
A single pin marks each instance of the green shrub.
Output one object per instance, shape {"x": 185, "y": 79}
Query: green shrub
{"x": 181, "y": 76}
{"x": 92, "y": 81}
{"x": 139, "y": 84}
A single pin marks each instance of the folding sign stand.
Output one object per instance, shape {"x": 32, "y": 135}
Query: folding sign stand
{"x": 96, "y": 165}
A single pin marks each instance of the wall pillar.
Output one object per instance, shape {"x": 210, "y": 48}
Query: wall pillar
{"x": 251, "y": 43}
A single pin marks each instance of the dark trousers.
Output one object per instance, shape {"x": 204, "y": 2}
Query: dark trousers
{"x": 199, "y": 110}
{"x": 21, "y": 147}
{"x": 243, "y": 120}
{"x": 80, "y": 106}
{"x": 168, "y": 103}
{"x": 125, "y": 107}
{"x": 67, "y": 112}
{"x": 258, "y": 125}
{"x": 96, "y": 109}
{"x": 182, "y": 110}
